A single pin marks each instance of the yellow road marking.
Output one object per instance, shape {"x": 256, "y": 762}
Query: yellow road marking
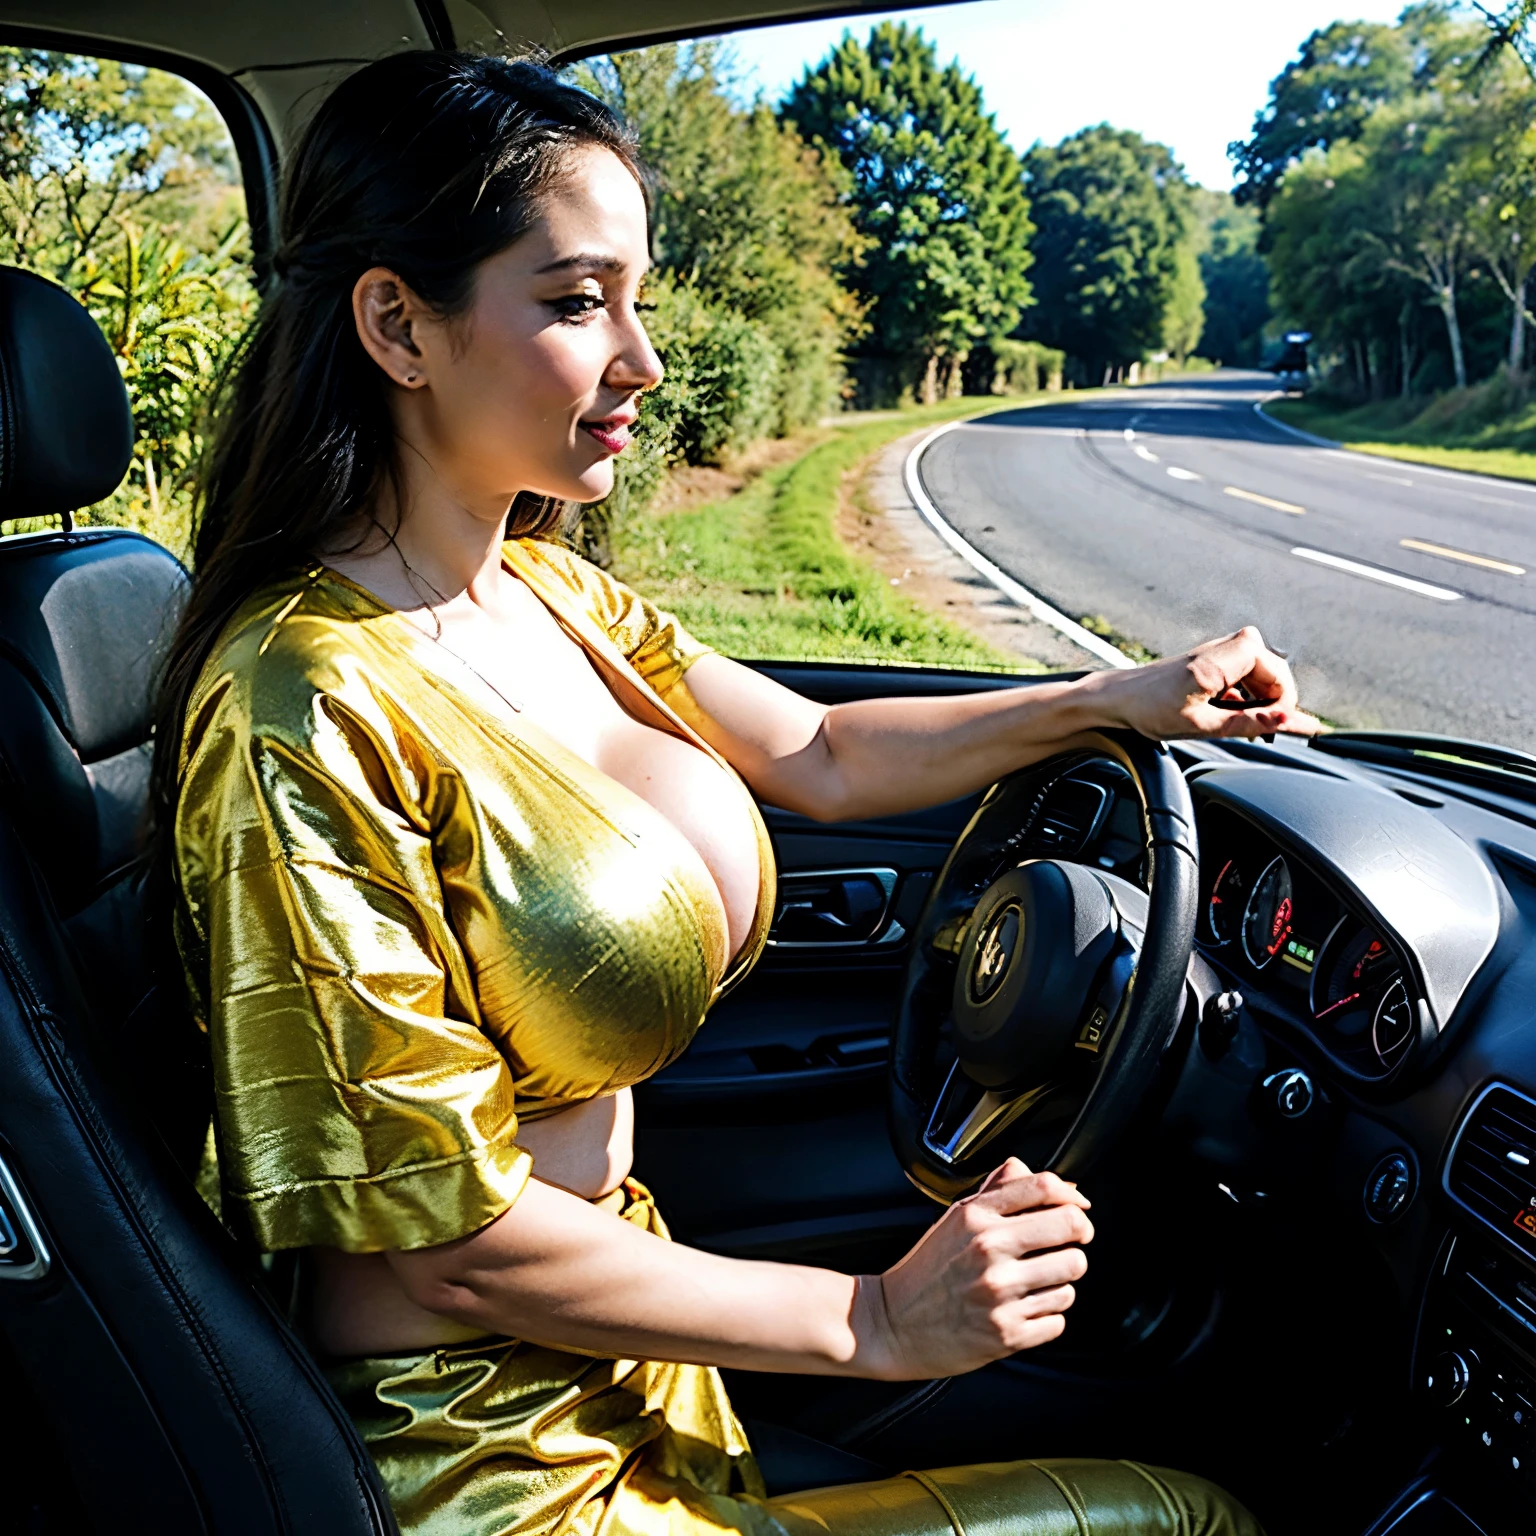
{"x": 1463, "y": 556}
{"x": 1266, "y": 501}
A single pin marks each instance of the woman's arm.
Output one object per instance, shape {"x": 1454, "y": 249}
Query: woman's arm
{"x": 993, "y": 1275}
{"x": 881, "y": 756}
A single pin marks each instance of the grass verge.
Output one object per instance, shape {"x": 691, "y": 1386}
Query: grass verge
{"x": 761, "y": 574}
{"x": 1489, "y": 429}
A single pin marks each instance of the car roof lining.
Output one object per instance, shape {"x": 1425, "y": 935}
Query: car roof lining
{"x": 280, "y": 35}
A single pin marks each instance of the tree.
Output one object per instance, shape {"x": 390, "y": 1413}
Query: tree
{"x": 746, "y": 213}
{"x": 1114, "y": 248}
{"x": 85, "y": 143}
{"x": 1236, "y": 278}
{"x": 1184, "y": 317}
{"x": 1323, "y": 97}
{"x": 934, "y": 187}
{"x": 121, "y": 183}
{"x": 1501, "y": 153}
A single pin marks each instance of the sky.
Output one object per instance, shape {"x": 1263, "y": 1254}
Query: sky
{"x": 1189, "y": 73}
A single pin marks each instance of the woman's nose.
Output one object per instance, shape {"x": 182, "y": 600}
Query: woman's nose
{"x": 637, "y": 366}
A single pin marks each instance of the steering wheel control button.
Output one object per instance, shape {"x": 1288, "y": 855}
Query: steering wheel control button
{"x": 1219, "y": 1019}
{"x": 1448, "y": 1377}
{"x": 1091, "y": 1036}
{"x": 1390, "y": 1187}
{"x": 1290, "y": 1092}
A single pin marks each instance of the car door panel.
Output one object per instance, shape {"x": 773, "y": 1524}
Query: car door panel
{"x": 767, "y": 1137}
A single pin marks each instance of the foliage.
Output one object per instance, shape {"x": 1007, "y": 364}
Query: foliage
{"x": 763, "y": 574}
{"x": 1023, "y": 367}
{"x": 1489, "y": 428}
{"x": 746, "y": 214}
{"x": 120, "y": 183}
{"x": 1236, "y": 279}
{"x": 1115, "y": 273}
{"x": 1416, "y": 216}
{"x": 1324, "y": 96}
{"x": 934, "y": 188}
{"x": 86, "y": 142}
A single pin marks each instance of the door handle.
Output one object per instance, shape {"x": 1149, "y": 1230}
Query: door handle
{"x": 835, "y": 909}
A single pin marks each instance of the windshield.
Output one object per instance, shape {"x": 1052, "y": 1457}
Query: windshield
{"x": 1230, "y": 305}
{"x": 1009, "y": 336}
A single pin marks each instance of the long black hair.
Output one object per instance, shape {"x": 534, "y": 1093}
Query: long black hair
{"x": 425, "y": 163}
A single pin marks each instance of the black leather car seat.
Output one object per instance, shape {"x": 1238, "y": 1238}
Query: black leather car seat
{"x": 182, "y": 1399}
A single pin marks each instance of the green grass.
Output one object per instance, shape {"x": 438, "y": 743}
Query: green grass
{"x": 762, "y": 573}
{"x": 1489, "y": 428}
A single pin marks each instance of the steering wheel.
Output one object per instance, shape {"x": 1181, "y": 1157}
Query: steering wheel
{"x": 1040, "y": 993}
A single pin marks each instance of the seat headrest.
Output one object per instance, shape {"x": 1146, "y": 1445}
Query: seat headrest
{"x": 66, "y": 432}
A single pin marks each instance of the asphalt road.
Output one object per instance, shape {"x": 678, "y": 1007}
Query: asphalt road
{"x": 1178, "y": 512}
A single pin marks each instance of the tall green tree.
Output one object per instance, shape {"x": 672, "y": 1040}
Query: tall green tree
{"x": 1114, "y": 248}
{"x": 1321, "y": 98}
{"x": 1236, "y": 278}
{"x": 934, "y": 187}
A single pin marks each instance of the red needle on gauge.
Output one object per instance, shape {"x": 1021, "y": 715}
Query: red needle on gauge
{"x": 1354, "y": 997}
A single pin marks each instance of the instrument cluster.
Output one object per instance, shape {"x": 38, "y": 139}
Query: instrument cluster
{"x": 1291, "y": 940}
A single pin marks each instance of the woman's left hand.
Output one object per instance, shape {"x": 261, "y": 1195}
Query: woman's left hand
{"x": 1175, "y": 697}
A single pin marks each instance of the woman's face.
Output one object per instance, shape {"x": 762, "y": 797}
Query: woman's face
{"x": 535, "y": 386}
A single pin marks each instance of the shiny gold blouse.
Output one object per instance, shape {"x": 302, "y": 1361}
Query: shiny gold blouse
{"x": 409, "y": 917}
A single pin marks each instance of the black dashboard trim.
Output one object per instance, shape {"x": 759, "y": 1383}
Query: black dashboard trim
{"x": 1445, "y": 919}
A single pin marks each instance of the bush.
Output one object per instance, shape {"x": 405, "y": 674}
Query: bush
{"x": 1022, "y": 367}
{"x": 723, "y": 372}
{"x": 721, "y": 391}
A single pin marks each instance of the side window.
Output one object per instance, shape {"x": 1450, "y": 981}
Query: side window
{"x": 121, "y": 183}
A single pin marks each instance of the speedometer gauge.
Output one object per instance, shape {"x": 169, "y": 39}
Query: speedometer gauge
{"x": 1267, "y": 916}
{"x": 1224, "y": 906}
{"x": 1392, "y": 1027}
{"x": 1361, "y": 1003}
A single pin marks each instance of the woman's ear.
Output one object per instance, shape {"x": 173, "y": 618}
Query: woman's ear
{"x": 386, "y": 311}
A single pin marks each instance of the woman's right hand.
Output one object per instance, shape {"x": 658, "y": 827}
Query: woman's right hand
{"x": 992, "y": 1276}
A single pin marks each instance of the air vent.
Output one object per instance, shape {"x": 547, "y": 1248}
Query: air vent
{"x": 1069, "y": 816}
{"x": 1492, "y": 1167}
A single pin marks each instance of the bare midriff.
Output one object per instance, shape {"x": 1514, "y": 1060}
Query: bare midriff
{"x": 358, "y": 1306}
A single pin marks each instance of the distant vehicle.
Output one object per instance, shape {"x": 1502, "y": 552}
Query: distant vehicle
{"x": 1291, "y": 368}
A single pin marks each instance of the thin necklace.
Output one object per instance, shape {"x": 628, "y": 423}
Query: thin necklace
{"x": 413, "y": 575}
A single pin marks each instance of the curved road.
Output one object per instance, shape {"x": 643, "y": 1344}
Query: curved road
{"x": 1404, "y": 596}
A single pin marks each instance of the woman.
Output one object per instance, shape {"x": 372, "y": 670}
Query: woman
{"x": 465, "y": 849}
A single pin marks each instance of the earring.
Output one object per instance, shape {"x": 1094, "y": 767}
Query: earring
{"x": 410, "y": 378}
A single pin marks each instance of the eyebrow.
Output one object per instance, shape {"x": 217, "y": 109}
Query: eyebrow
{"x": 586, "y": 261}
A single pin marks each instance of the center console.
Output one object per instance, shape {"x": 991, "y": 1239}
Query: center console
{"x": 1475, "y": 1364}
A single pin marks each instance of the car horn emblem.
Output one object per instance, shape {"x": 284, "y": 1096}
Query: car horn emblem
{"x": 994, "y": 953}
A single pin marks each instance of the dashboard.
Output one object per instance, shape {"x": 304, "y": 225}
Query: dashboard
{"x": 1290, "y": 939}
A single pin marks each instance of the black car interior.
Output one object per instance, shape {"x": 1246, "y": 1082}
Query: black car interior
{"x": 1314, "y": 1184}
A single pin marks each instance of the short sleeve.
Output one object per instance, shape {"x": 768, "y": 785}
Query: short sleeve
{"x": 359, "y": 1104}
{"x": 655, "y": 643}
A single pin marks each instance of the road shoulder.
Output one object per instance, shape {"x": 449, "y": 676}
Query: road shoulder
{"x": 878, "y": 523}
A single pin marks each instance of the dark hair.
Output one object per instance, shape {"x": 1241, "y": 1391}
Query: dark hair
{"x": 425, "y": 163}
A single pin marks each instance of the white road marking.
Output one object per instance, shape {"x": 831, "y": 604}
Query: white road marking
{"x": 1389, "y": 479}
{"x": 1375, "y": 573}
{"x": 1015, "y": 591}
{"x": 1130, "y": 434}
{"x": 1146, "y": 453}
{"x": 1447, "y": 553}
{"x": 1265, "y": 501}
{"x": 1493, "y": 501}
{"x": 1183, "y": 474}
